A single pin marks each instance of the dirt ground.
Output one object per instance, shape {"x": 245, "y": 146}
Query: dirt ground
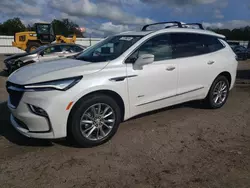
{"x": 182, "y": 146}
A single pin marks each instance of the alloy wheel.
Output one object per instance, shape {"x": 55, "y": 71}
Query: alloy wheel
{"x": 97, "y": 121}
{"x": 220, "y": 92}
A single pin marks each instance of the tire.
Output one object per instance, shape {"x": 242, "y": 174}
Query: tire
{"x": 210, "y": 100}
{"x": 76, "y": 132}
{"x": 32, "y": 46}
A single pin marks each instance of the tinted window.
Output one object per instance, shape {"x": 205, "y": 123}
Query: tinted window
{"x": 188, "y": 44}
{"x": 41, "y": 48}
{"x": 212, "y": 43}
{"x": 65, "y": 48}
{"x": 71, "y": 48}
{"x": 52, "y": 49}
{"x": 159, "y": 46}
{"x": 76, "y": 49}
{"x": 43, "y": 29}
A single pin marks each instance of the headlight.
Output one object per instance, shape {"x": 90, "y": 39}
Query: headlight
{"x": 62, "y": 84}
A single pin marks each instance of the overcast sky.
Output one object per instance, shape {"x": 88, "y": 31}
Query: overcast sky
{"x": 103, "y": 17}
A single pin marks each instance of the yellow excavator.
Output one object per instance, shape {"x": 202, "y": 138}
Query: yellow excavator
{"x": 43, "y": 34}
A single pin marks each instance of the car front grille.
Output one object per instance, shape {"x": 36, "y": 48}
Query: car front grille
{"x": 15, "y": 93}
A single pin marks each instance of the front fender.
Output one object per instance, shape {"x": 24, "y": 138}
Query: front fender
{"x": 118, "y": 88}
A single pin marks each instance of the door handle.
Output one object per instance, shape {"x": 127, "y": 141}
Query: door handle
{"x": 210, "y": 62}
{"x": 170, "y": 68}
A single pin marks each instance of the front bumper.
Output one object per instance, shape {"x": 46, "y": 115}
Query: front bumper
{"x": 26, "y": 132}
{"x": 10, "y": 66}
{"x": 32, "y": 125}
{"x": 7, "y": 68}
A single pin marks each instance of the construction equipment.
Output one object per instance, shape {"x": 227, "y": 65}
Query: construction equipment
{"x": 43, "y": 34}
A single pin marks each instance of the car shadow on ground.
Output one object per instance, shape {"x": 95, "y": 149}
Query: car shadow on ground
{"x": 9, "y": 132}
{"x": 243, "y": 74}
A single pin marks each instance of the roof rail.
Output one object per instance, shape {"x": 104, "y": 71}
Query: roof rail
{"x": 178, "y": 24}
{"x": 158, "y": 23}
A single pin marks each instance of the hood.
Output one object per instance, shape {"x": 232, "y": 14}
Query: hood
{"x": 16, "y": 56}
{"x": 58, "y": 69}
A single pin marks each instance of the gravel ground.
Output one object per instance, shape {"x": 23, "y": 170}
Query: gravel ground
{"x": 181, "y": 146}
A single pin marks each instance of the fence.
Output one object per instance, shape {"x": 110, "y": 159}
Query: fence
{"x": 7, "y": 48}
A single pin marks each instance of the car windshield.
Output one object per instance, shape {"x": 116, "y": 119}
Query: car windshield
{"x": 38, "y": 49}
{"x": 108, "y": 49}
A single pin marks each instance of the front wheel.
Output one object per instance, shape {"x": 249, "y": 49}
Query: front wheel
{"x": 94, "y": 121}
{"x": 218, "y": 93}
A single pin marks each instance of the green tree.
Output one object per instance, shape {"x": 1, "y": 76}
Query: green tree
{"x": 235, "y": 34}
{"x": 1, "y": 29}
{"x": 11, "y": 26}
{"x": 66, "y": 27}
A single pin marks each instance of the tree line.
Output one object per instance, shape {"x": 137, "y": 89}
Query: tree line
{"x": 235, "y": 34}
{"x": 67, "y": 27}
{"x": 63, "y": 27}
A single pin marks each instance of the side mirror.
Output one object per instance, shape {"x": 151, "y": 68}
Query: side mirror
{"x": 142, "y": 60}
{"x": 42, "y": 53}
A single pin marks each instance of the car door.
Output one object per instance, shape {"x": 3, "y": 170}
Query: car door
{"x": 155, "y": 85}
{"x": 51, "y": 53}
{"x": 196, "y": 57}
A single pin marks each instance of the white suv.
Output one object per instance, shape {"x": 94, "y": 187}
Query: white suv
{"x": 87, "y": 96}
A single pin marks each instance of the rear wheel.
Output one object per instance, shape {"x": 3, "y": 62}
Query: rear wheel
{"x": 32, "y": 46}
{"x": 94, "y": 120}
{"x": 218, "y": 93}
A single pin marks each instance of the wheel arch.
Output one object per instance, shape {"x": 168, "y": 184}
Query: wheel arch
{"x": 227, "y": 75}
{"x": 110, "y": 93}
{"x": 224, "y": 73}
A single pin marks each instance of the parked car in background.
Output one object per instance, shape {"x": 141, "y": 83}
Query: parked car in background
{"x": 43, "y": 53}
{"x": 242, "y": 52}
{"x": 233, "y": 44}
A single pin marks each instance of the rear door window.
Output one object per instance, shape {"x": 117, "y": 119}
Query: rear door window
{"x": 212, "y": 43}
{"x": 71, "y": 48}
{"x": 187, "y": 45}
{"x": 75, "y": 49}
{"x": 192, "y": 44}
{"x": 52, "y": 49}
